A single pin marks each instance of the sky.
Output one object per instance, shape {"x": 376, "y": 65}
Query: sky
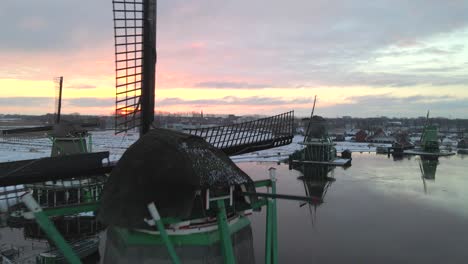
{"x": 394, "y": 58}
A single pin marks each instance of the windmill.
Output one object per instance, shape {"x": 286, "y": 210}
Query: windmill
{"x": 135, "y": 63}
{"x": 177, "y": 169}
{"x": 318, "y": 146}
{"x": 205, "y": 176}
{"x": 68, "y": 137}
{"x": 429, "y": 137}
{"x": 58, "y": 81}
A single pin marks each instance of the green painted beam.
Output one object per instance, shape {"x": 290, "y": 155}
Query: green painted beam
{"x": 268, "y": 233}
{"x": 49, "y": 228}
{"x": 274, "y": 222}
{"x": 162, "y": 232}
{"x": 259, "y": 203}
{"x": 225, "y": 235}
{"x": 53, "y": 234}
{"x": 262, "y": 183}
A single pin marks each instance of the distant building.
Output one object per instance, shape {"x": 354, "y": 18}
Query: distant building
{"x": 351, "y": 132}
{"x": 361, "y": 136}
{"x": 380, "y": 137}
{"x": 463, "y": 144}
{"x": 394, "y": 123}
{"x": 339, "y": 137}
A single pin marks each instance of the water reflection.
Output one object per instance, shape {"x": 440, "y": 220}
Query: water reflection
{"x": 428, "y": 167}
{"x": 400, "y": 156}
{"x": 373, "y": 210}
{"x": 81, "y": 231}
{"x": 33, "y": 246}
{"x": 72, "y": 228}
{"x": 316, "y": 184}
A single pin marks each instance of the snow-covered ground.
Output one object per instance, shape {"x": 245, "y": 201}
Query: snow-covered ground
{"x": 281, "y": 153}
{"x": 115, "y": 144}
{"x": 20, "y": 149}
{"x": 274, "y": 154}
{"x": 12, "y": 149}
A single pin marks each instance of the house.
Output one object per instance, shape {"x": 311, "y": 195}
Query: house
{"x": 380, "y": 137}
{"x": 360, "y": 136}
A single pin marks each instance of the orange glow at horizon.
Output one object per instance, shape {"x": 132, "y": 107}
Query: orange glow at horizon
{"x": 126, "y": 110}
{"x": 104, "y": 88}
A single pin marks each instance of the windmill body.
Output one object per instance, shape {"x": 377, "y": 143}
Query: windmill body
{"x": 429, "y": 144}
{"x": 318, "y": 146}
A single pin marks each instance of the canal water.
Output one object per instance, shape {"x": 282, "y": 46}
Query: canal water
{"x": 379, "y": 210}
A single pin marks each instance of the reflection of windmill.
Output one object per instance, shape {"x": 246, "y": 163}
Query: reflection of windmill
{"x": 428, "y": 167}
{"x": 462, "y": 146}
{"x": 316, "y": 184}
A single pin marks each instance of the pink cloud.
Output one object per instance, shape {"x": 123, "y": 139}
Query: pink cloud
{"x": 197, "y": 45}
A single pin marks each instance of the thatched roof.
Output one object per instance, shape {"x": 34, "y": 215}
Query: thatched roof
{"x": 165, "y": 167}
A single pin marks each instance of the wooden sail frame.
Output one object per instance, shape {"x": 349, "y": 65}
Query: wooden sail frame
{"x": 250, "y": 136}
{"x": 135, "y": 59}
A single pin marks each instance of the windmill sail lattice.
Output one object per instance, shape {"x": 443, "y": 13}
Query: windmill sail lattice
{"x": 128, "y": 34}
{"x": 250, "y": 136}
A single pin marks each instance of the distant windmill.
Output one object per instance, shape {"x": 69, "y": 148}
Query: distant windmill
{"x": 67, "y": 137}
{"x": 430, "y": 137}
{"x": 58, "y": 106}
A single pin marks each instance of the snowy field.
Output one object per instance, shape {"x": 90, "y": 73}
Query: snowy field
{"x": 281, "y": 153}
{"x": 12, "y": 149}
